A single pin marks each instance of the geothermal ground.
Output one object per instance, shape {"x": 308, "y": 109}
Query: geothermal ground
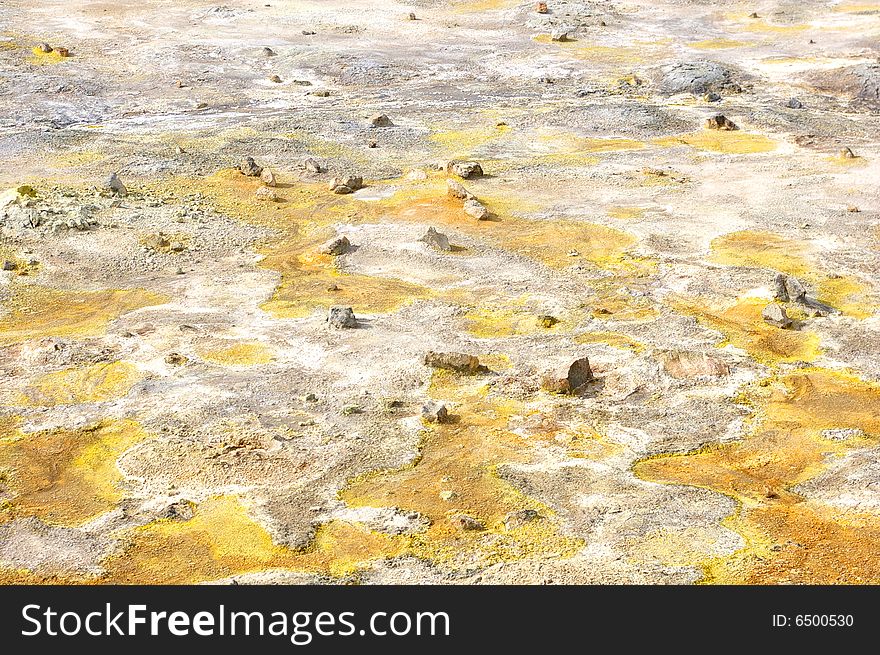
{"x": 176, "y": 407}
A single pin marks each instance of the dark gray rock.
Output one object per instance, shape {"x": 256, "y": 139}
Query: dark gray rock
{"x": 341, "y": 317}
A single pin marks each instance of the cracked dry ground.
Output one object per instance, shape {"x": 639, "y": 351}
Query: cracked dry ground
{"x": 175, "y": 408}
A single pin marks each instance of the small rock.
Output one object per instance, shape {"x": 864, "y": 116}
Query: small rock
{"x": 753, "y": 15}
{"x": 476, "y": 209}
{"x": 9, "y": 266}
{"x": 436, "y": 240}
{"x": 176, "y": 359}
{"x": 435, "y": 412}
{"x": 853, "y": 209}
{"x": 448, "y": 495}
{"x": 336, "y": 246}
{"x": 465, "y": 169}
{"x": 411, "y": 16}
{"x": 311, "y": 398}
{"x": 275, "y": 78}
{"x": 250, "y": 168}
{"x": 266, "y": 193}
{"x": 267, "y": 51}
{"x": 115, "y": 185}
{"x": 794, "y": 103}
{"x": 309, "y": 32}
{"x": 560, "y": 35}
{"x": 182, "y": 510}
{"x": 774, "y": 314}
{"x": 341, "y": 317}
{"x": 456, "y": 190}
{"x": 459, "y": 362}
{"x": 466, "y": 522}
{"x": 416, "y": 174}
{"x": 333, "y": 287}
{"x": 720, "y": 122}
{"x": 372, "y": 143}
{"x": 711, "y": 97}
{"x": 519, "y": 518}
{"x": 380, "y": 120}
{"x": 847, "y": 153}
{"x": 321, "y": 93}
{"x": 44, "y": 47}
{"x": 311, "y": 165}
{"x": 157, "y": 242}
{"x": 62, "y": 52}
{"x": 348, "y": 184}
{"x": 547, "y": 321}
{"x": 541, "y": 8}
{"x": 267, "y": 177}
{"x": 569, "y": 379}
{"x": 814, "y": 308}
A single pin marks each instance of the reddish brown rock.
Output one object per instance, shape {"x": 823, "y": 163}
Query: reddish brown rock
{"x": 465, "y": 522}
{"x": 720, "y": 122}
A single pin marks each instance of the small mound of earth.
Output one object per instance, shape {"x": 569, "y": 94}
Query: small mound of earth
{"x": 859, "y": 84}
{"x": 696, "y": 77}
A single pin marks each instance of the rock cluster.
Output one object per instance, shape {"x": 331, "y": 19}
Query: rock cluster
{"x": 346, "y": 184}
